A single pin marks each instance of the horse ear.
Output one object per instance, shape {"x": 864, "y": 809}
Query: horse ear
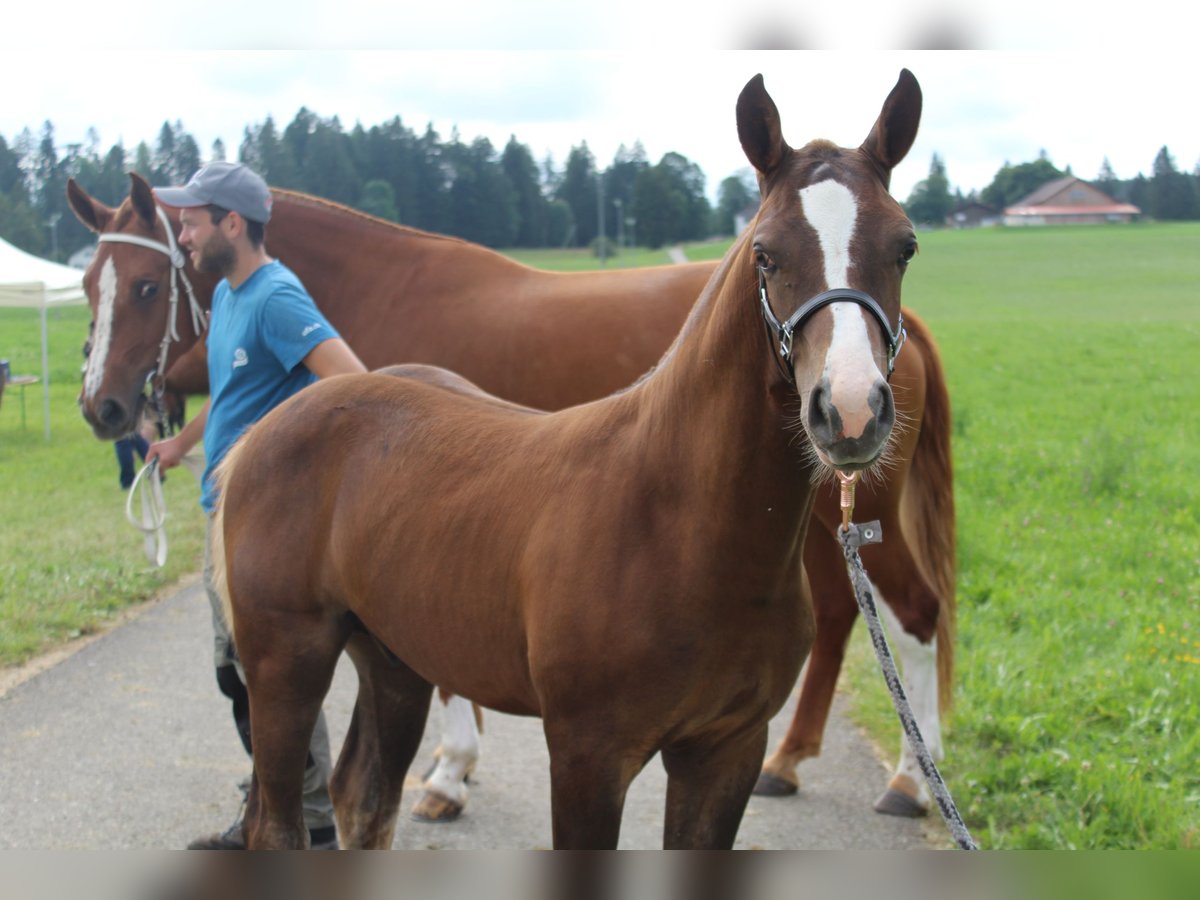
{"x": 896, "y": 128}
{"x": 94, "y": 215}
{"x": 142, "y": 199}
{"x": 758, "y": 127}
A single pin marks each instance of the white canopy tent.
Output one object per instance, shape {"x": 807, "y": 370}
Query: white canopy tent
{"x": 30, "y": 281}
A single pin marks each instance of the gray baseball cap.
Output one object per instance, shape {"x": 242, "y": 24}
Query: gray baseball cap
{"x": 229, "y": 185}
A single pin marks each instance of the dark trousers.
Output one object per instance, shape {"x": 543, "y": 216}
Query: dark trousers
{"x": 124, "y": 448}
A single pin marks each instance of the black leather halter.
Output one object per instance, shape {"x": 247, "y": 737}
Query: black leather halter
{"x": 783, "y": 331}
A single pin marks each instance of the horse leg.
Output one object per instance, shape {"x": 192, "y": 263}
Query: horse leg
{"x": 588, "y": 780}
{"x": 909, "y": 609}
{"x": 289, "y": 662}
{"x": 707, "y": 791}
{"x": 385, "y": 732}
{"x": 446, "y": 787}
{"x": 834, "y": 610}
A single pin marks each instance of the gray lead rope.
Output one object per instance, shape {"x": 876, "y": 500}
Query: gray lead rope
{"x": 852, "y": 537}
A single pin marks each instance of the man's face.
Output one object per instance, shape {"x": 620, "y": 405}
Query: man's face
{"x": 209, "y": 245}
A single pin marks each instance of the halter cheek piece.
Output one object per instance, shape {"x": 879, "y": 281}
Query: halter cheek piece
{"x": 784, "y": 331}
{"x": 178, "y": 261}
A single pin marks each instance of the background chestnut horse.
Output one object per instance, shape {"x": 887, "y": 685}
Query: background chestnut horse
{"x": 628, "y": 569}
{"x": 547, "y": 340}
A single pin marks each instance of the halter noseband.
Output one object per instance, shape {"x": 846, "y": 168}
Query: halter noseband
{"x": 178, "y": 261}
{"x": 784, "y": 331}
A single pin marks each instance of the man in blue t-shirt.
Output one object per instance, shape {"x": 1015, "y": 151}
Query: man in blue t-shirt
{"x": 266, "y": 341}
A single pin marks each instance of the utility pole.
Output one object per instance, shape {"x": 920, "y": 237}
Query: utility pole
{"x": 620, "y": 226}
{"x": 600, "y": 218}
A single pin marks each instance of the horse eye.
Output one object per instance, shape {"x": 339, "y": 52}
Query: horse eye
{"x": 147, "y": 290}
{"x": 764, "y": 262}
{"x": 910, "y": 250}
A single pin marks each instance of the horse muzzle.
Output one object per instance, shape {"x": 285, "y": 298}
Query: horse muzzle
{"x": 850, "y": 434}
{"x": 112, "y": 419}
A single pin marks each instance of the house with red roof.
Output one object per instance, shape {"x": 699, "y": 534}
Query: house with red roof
{"x": 1069, "y": 201}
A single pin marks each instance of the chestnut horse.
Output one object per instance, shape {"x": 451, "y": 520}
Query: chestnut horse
{"x": 548, "y": 340}
{"x": 629, "y": 569}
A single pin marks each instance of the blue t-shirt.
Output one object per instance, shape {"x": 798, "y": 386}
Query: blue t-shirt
{"x": 258, "y": 337}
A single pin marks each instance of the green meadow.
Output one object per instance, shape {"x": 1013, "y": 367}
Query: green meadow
{"x": 1077, "y": 718}
{"x": 1071, "y": 357}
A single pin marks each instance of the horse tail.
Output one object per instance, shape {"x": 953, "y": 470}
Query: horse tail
{"x": 220, "y": 576}
{"x": 929, "y": 504}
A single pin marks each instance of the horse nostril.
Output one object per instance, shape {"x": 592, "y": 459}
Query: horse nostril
{"x": 824, "y": 421}
{"x": 112, "y": 413}
{"x": 883, "y": 404}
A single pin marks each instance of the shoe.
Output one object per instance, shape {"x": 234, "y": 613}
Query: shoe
{"x": 233, "y": 838}
{"x": 324, "y": 838}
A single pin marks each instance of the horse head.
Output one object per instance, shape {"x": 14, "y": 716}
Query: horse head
{"x": 831, "y": 246}
{"x": 133, "y": 284}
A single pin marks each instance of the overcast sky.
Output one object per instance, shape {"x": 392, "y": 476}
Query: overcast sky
{"x": 982, "y": 108}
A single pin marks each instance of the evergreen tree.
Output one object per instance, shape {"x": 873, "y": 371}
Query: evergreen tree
{"x": 326, "y": 166}
{"x": 1172, "y": 193}
{"x": 10, "y": 169}
{"x": 560, "y": 224}
{"x": 1107, "y": 181}
{"x": 432, "y": 183}
{"x": 50, "y": 190}
{"x": 176, "y": 155}
{"x": 142, "y": 163}
{"x": 931, "y": 201}
{"x": 735, "y": 194}
{"x": 18, "y": 222}
{"x": 579, "y": 190}
{"x": 619, "y": 180}
{"x": 688, "y": 179}
{"x": 659, "y": 207}
{"x": 532, "y": 208}
{"x": 1138, "y": 192}
{"x": 265, "y": 153}
{"x": 112, "y": 181}
{"x": 378, "y": 199}
{"x": 483, "y": 204}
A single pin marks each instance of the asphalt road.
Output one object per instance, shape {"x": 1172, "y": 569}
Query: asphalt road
{"x": 126, "y": 743}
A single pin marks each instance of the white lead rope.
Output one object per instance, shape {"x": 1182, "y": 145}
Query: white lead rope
{"x": 851, "y": 538}
{"x": 147, "y": 486}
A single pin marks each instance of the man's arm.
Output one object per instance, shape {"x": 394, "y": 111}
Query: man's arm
{"x": 333, "y": 357}
{"x": 172, "y": 450}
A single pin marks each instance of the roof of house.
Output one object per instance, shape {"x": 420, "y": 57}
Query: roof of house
{"x": 1069, "y": 196}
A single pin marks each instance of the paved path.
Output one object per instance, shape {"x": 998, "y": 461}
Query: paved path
{"x": 128, "y": 744}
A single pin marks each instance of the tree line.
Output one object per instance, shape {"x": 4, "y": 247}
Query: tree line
{"x": 1168, "y": 194}
{"x": 451, "y": 186}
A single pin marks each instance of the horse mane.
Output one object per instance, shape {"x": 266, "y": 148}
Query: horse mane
{"x": 309, "y": 200}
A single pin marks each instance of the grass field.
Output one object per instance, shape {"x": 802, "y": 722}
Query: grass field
{"x": 1067, "y": 354}
{"x": 69, "y": 562}
{"x": 1071, "y": 360}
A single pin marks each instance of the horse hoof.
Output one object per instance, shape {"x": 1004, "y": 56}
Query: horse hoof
{"x": 435, "y": 809}
{"x": 769, "y": 785}
{"x": 894, "y": 803}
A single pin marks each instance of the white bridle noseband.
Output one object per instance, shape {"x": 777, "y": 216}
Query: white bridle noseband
{"x": 178, "y": 261}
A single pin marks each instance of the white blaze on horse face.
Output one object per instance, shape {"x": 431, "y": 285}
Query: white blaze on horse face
{"x": 102, "y": 335}
{"x": 832, "y": 211}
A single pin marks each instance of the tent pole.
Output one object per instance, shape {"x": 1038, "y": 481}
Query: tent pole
{"x": 45, "y": 368}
